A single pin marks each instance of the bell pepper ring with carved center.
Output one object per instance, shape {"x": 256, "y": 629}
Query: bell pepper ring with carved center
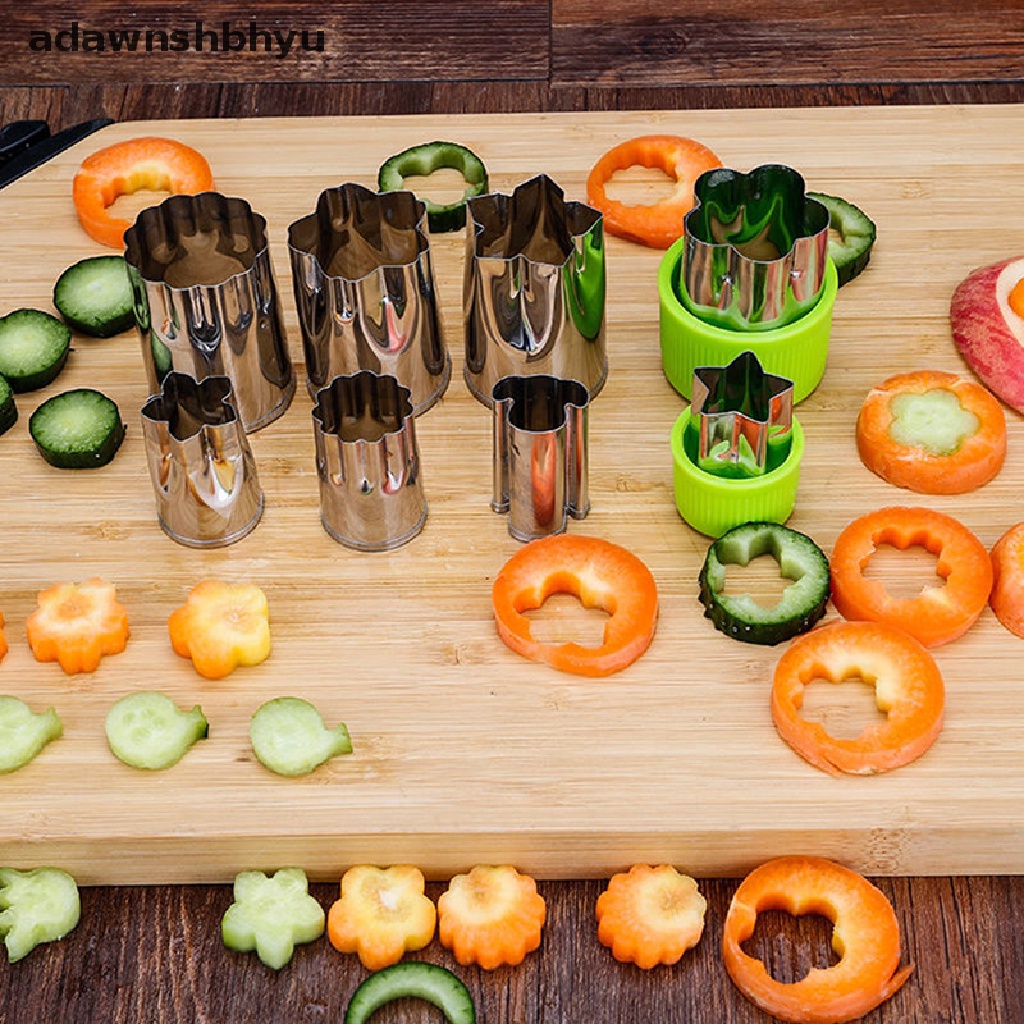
{"x": 866, "y": 935}
{"x": 602, "y": 575}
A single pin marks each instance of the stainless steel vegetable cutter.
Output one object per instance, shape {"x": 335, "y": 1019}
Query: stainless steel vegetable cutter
{"x": 533, "y": 288}
{"x": 540, "y": 453}
{"x": 743, "y": 416}
{"x": 207, "y": 492}
{"x": 371, "y": 494}
{"x": 206, "y": 303}
{"x": 364, "y": 291}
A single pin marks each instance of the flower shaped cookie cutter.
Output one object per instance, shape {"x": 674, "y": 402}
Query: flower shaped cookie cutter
{"x": 755, "y": 249}
{"x": 533, "y": 289}
{"x": 204, "y": 475}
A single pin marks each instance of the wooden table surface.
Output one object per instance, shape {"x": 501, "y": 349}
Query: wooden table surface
{"x": 154, "y": 954}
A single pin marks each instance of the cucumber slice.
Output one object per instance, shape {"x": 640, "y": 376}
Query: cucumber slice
{"x": 424, "y": 160}
{"x": 148, "y": 730}
{"x": 271, "y": 915}
{"x": 23, "y": 734}
{"x": 801, "y": 605}
{"x": 36, "y": 906}
{"x": 851, "y": 234}
{"x": 34, "y": 347}
{"x": 8, "y": 410}
{"x": 80, "y": 429}
{"x": 289, "y": 737}
{"x": 412, "y": 980}
{"x": 95, "y": 296}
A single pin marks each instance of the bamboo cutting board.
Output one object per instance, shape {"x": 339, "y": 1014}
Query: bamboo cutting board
{"x": 464, "y": 752}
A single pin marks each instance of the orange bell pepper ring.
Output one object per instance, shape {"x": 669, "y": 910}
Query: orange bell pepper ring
{"x": 660, "y": 224}
{"x": 932, "y": 432}
{"x": 1007, "y": 598}
{"x": 866, "y": 936}
{"x": 650, "y": 915}
{"x": 938, "y": 614}
{"x": 161, "y": 165}
{"x": 382, "y": 913}
{"x": 492, "y": 916}
{"x": 76, "y": 624}
{"x": 602, "y": 575}
{"x": 908, "y": 688}
{"x": 221, "y": 626}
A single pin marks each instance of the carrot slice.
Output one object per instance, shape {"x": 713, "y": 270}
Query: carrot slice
{"x": 222, "y": 626}
{"x": 161, "y": 165}
{"x": 866, "y": 936}
{"x": 1007, "y": 598}
{"x": 3, "y": 639}
{"x": 932, "y": 432}
{"x": 658, "y": 225}
{"x": 601, "y": 575}
{"x": 76, "y": 624}
{"x": 382, "y": 913}
{"x": 649, "y": 916}
{"x": 491, "y": 916}
{"x": 938, "y": 614}
{"x": 908, "y": 687}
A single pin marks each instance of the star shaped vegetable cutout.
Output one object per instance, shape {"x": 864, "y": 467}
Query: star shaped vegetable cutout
{"x": 36, "y": 906}
{"x": 271, "y": 915}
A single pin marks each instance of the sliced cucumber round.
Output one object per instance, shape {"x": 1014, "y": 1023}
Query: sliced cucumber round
{"x": 289, "y": 737}
{"x": 80, "y": 429}
{"x": 8, "y": 410}
{"x": 802, "y": 604}
{"x": 148, "y": 730}
{"x": 851, "y": 234}
{"x": 23, "y": 734}
{"x": 412, "y": 980}
{"x": 34, "y": 347}
{"x": 95, "y": 296}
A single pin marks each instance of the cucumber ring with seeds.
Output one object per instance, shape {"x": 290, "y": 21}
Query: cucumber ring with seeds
{"x": 851, "y": 234}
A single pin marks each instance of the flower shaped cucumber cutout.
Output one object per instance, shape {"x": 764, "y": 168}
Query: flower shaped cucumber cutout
{"x": 932, "y": 432}
{"x": 938, "y": 614}
{"x": 602, "y": 575}
{"x": 222, "y": 626}
{"x": 271, "y": 915}
{"x": 76, "y": 624}
{"x": 382, "y": 913}
{"x": 23, "y": 734}
{"x": 36, "y": 906}
{"x": 491, "y": 916}
{"x": 866, "y": 936}
{"x": 908, "y": 688}
{"x": 650, "y": 915}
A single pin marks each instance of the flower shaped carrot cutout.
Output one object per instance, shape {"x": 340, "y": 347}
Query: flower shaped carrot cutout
{"x": 382, "y": 913}
{"x": 866, "y": 936}
{"x": 76, "y": 624}
{"x": 222, "y": 626}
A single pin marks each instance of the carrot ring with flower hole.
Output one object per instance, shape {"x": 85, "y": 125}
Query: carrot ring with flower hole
{"x": 76, "y": 624}
{"x": 1007, "y": 598}
{"x": 658, "y": 225}
{"x": 865, "y": 935}
{"x": 908, "y": 688}
{"x": 932, "y": 432}
{"x": 602, "y": 575}
{"x": 161, "y": 165}
{"x": 650, "y": 915}
{"x": 938, "y": 614}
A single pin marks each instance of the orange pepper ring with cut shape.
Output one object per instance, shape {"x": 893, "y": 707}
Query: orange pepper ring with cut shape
{"x": 866, "y": 936}
{"x": 602, "y": 575}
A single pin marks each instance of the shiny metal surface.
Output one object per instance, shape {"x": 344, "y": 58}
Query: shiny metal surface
{"x": 364, "y": 292}
{"x": 206, "y": 303}
{"x": 371, "y": 495}
{"x": 764, "y": 281}
{"x": 208, "y": 494}
{"x": 744, "y": 418}
{"x": 541, "y": 467}
{"x": 533, "y": 289}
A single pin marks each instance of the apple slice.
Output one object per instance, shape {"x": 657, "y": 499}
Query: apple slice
{"x": 988, "y": 331}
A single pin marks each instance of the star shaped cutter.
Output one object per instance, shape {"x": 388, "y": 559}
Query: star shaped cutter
{"x": 743, "y": 417}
